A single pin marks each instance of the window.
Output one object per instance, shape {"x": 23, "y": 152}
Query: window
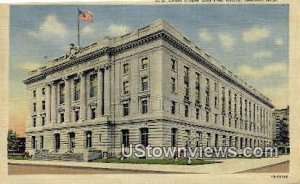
{"x": 88, "y": 138}
{"x": 144, "y": 106}
{"x": 229, "y": 122}
{"x": 43, "y": 91}
{"x": 43, "y": 105}
{"x": 216, "y": 87}
{"x": 43, "y": 120}
{"x": 34, "y": 93}
{"x": 144, "y": 136}
{"x": 57, "y": 141}
{"x": 33, "y": 142}
{"x": 61, "y": 93}
{"x": 144, "y": 63}
{"x": 34, "y": 107}
{"x": 93, "y": 113}
{"x": 34, "y": 121}
{"x": 207, "y": 92}
{"x": 173, "y": 64}
{"x": 42, "y": 142}
{"x": 126, "y": 87}
{"x": 197, "y": 113}
{"x": 173, "y": 82}
{"x": 207, "y": 116}
{"x": 216, "y": 140}
{"x": 223, "y": 120}
{"x": 125, "y": 109}
{"x": 224, "y": 140}
{"x": 173, "y": 137}
{"x": 216, "y": 118}
{"x": 62, "y": 117}
{"x": 186, "y": 71}
{"x": 93, "y": 85}
{"x": 125, "y": 68}
{"x": 144, "y": 83}
{"x": 208, "y": 139}
{"x": 216, "y": 101}
{"x": 199, "y": 139}
{"x": 76, "y": 115}
{"x": 125, "y": 138}
{"x": 77, "y": 90}
{"x": 186, "y": 110}
{"x": 235, "y": 123}
{"x": 173, "y": 107}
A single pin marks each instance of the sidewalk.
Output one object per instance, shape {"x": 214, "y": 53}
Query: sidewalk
{"x": 226, "y": 166}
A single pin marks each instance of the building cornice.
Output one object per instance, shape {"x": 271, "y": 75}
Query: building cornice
{"x": 161, "y": 34}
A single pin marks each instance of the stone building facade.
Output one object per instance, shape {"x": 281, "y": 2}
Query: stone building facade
{"x": 151, "y": 86}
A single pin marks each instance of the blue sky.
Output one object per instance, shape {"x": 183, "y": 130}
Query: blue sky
{"x": 251, "y": 40}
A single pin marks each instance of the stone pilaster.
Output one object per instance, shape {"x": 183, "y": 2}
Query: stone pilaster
{"x": 53, "y": 102}
{"x": 107, "y": 91}
{"x": 48, "y": 104}
{"x": 67, "y": 100}
{"x": 82, "y": 96}
{"x": 100, "y": 91}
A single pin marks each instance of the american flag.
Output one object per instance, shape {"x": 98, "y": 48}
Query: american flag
{"x": 85, "y": 16}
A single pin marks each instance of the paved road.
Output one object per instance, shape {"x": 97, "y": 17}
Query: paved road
{"x": 282, "y": 167}
{"x": 14, "y": 169}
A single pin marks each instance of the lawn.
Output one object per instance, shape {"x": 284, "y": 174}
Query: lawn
{"x": 165, "y": 161}
{"x": 18, "y": 158}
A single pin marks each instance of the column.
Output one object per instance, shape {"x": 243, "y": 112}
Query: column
{"x": 82, "y": 96}
{"x": 53, "y": 102}
{"x": 48, "y": 105}
{"x": 67, "y": 100}
{"x": 100, "y": 92}
{"x": 107, "y": 91}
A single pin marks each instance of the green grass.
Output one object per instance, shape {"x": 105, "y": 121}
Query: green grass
{"x": 18, "y": 158}
{"x": 166, "y": 161}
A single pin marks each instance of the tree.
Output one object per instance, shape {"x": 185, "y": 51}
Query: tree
{"x": 283, "y": 133}
{"x": 11, "y": 140}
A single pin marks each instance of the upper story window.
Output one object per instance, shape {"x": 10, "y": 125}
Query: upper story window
{"x": 125, "y": 109}
{"x": 144, "y": 82}
{"x": 174, "y": 64}
{"x": 34, "y": 121}
{"x": 76, "y": 89}
{"x": 186, "y": 110}
{"x": 125, "y": 68}
{"x": 126, "y": 87}
{"x": 34, "y": 107}
{"x": 43, "y": 91}
{"x": 61, "y": 93}
{"x": 34, "y": 93}
{"x": 144, "y": 63}
{"x": 186, "y": 70}
{"x": 93, "y": 85}
{"x": 144, "y": 106}
{"x": 173, "y": 83}
{"x": 43, "y": 105}
{"x": 216, "y": 87}
{"x": 173, "y": 107}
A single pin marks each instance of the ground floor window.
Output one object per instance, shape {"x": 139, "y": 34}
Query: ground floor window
{"x": 144, "y": 136}
{"x": 42, "y": 142}
{"x": 125, "y": 137}
{"x": 57, "y": 141}
{"x": 88, "y": 138}
{"x": 71, "y": 140}
{"x": 33, "y": 142}
{"x": 173, "y": 137}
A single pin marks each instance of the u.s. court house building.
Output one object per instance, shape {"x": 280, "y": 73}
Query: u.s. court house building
{"x": 152, "y": 86}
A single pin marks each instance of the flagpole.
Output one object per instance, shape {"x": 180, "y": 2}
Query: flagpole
{"x": 78, "y": 28}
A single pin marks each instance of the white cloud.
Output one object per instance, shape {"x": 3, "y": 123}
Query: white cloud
{"x": 227, "y": 41}
{"x": 255, "y": 34}
{"x": 27, "y": 66}
{"x": 279, "y": 41}
{"x": 274, "y": 69}
{"x": 263, "y": 54}
{"x": 49, "y": 28}
{"x": 205, "y": 35}
{"x": 88, "y": 30}
{"x": 117, "y": 29}
{"x": 279, "y": 95}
